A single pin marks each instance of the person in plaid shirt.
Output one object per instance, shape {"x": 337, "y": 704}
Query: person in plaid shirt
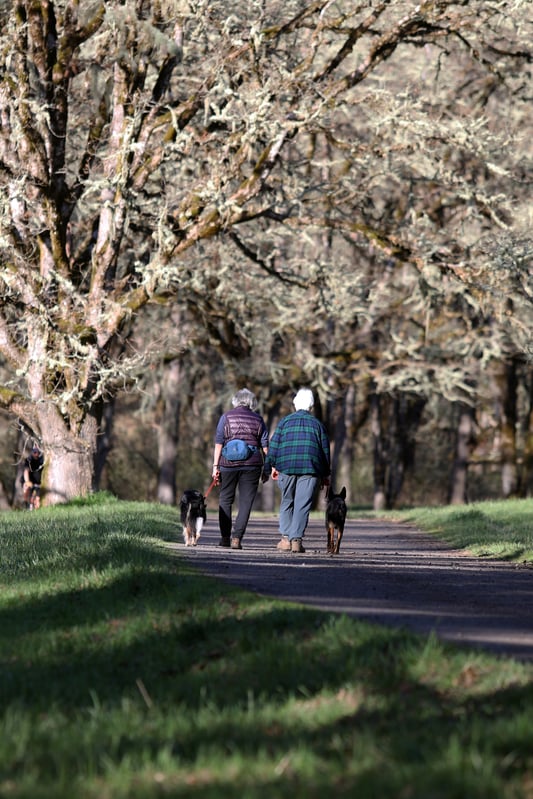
{"x": 299, "y": 454}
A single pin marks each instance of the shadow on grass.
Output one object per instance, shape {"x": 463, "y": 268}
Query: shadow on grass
{"x": 172, "y": 629}
{"x": 198, "y": 650}
{"x": 200, "y": 674}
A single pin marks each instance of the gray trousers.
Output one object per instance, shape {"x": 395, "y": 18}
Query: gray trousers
{"x": 297, "y": 493}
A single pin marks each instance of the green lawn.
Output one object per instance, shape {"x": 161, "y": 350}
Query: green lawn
{"x": 501, "y": 530}
{"x": 125, "y": 674}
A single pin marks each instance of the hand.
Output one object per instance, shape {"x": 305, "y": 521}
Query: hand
{"x": 274, "y": 473}
{"x": 325, "y": 482}
{"x": 215, "y": 474}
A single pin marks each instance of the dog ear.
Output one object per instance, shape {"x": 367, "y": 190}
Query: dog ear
{"x": 342, "y": 495}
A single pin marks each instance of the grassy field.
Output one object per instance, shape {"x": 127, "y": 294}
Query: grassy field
{"x": 125, "y": 674}
{"x": 501, "y": 530}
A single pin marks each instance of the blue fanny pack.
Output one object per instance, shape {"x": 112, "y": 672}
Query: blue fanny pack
{"x": 237, "y": 450}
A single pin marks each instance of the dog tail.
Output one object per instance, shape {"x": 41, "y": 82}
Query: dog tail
{"x": 188, "y": 515}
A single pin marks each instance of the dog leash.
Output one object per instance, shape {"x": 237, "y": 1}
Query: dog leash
{"x": 213, "y": 484}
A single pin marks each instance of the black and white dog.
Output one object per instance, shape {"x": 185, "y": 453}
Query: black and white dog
{"x": 335, "y": 519}
{"x": 193, "y": 516}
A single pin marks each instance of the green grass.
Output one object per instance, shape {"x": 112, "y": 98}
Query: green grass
{"x": 123, "y": 673}
{"x": 502, "y": 530}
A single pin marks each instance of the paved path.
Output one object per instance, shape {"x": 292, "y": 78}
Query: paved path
{"x": 385, "y": 573}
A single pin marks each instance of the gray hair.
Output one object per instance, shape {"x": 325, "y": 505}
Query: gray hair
{"x": 244, "y": 398}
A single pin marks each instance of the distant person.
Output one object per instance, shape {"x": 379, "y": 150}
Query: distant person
{"x": 33, "y": 470}
{"x": 241, "y": 443}
{"x": 299, "y": 453}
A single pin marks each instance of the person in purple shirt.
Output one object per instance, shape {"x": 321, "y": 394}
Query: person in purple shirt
{"x": 239, "y": 466}
{"x": 299, "y": 454}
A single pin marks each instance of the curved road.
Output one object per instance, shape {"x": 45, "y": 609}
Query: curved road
{"x": 385, "y": 573}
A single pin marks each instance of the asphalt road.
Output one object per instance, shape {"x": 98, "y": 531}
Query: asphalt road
{"x": 385, "y": 573}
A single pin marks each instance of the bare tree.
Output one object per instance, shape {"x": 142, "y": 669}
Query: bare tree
{"x": 131, "y": 133}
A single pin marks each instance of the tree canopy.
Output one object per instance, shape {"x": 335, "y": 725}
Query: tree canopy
{"x": 360, "y": 166}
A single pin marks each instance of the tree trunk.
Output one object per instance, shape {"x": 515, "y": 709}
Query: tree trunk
{"x": 68, "y": 457}
{"x": 380, "y": 452}
{"x": 507, "y": 413}
{"x": 394, "y": 423}
{"x": 269, "y": 495}
{"x": 104, "y": 440}
{"x": 346, "y": 455}
{"x": 4, "y": 500}
{"x": 526, "y": 477}
{"x": 336, "y": 422}
{"x": 168, "y": 432}
{"x": 25, "y": 439}
{"x": 465, "y": 442}
{"x": 405, "y": 416}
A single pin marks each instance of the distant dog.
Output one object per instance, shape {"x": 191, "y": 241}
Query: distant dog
{"x": 193, "y": 516}
{"x": 335, "y": 520}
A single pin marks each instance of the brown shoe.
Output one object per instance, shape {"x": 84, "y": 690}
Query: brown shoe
{"x": 224, "y": 541}
{"x": 296, "y": 545}
{"x": 236, "y": 543}
{"x": 284, "y": 544}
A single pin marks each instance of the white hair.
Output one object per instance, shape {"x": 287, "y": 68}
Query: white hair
{"x": 244, "y": 398}
{"x": 304, "y": 400}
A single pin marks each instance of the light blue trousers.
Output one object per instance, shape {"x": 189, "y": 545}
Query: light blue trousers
{"x": 297, "y": 492}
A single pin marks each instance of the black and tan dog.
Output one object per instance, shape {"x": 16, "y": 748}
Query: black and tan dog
{"x": 335, "y": 519}
{"x": 193, "y": 515}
